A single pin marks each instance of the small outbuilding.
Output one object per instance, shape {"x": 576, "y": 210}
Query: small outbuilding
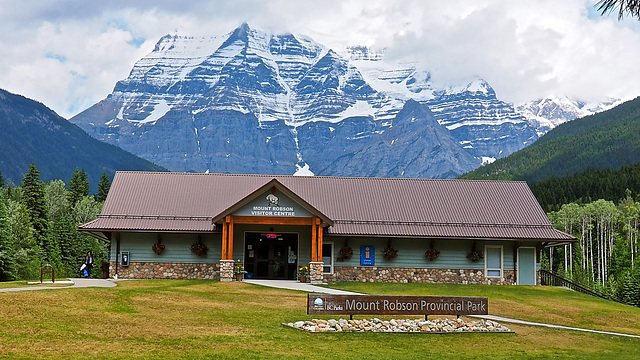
{"x": 206, "y": 226}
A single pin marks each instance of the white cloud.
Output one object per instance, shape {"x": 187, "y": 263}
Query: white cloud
{"x": 69, "y": 54}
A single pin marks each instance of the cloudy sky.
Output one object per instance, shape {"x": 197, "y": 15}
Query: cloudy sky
{"x": 69, "y": 54}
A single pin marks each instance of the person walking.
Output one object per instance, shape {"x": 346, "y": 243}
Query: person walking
{"x": 88, "y": 262}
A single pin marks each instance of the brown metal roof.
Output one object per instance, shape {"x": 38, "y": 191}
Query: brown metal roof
{"x": 356, "y": 206}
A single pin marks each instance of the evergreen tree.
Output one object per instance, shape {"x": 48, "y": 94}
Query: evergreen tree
{"x": 629, "y": 289}
{"x": 78, "y": 186}
{"x": 72, "y": 248}
{"x": 27, "y": 254}
{"x": 8, "y": 268}
{"x": 33, "y": 197}
{"x": 103, "y": 187}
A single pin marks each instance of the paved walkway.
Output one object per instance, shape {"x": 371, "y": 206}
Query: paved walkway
{"x": 522, "y": 322}
{"x": 295, "y": 285}
{"x": 76, "y": 282}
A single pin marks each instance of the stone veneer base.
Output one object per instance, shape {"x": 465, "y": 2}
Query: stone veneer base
{"x": 157, "y": 270}
{"x": 417, "y": 275}
{"x": 315, "y": 272}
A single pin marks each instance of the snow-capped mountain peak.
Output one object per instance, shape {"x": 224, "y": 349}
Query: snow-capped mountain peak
{"x": 253, "y": 101}
{"x": 547, "y": 113}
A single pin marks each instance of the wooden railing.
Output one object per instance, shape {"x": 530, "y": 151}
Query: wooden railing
{"x": 552, "y": 279}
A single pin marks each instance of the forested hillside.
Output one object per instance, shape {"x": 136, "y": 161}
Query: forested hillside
{"x": 33, "y": 133}
{"x": 587, "y": 186}
{"x": 608, "y": 140}
{"x": 606, "y": 255}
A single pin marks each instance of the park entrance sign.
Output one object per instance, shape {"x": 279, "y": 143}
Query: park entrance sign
{"x": 323, "y": 304}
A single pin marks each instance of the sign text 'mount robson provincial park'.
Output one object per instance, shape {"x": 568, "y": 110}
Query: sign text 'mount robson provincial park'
{"x": 319, "y": 304}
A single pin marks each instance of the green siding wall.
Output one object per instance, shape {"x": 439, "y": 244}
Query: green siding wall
{"x": 411, "y": 252}
{"x": 177, "y": 247}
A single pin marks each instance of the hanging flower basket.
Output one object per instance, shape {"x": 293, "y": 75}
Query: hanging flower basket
{"x": 432, "y": 254}
{"x": 345, "y": 253}
{"x": 199, "y": 248}
{"x": 389, "y": 253}
{"x": 475, "y": 255}
{"x": 158, "y": 248}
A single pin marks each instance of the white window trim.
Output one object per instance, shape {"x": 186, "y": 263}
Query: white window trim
{"x": 486, "y": 269}
{"x": 333, "y": 260}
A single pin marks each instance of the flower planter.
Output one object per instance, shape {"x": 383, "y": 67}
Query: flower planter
{"x": 239, "y": 276}
{"x": 432, "y": 254}
{"x": 158, "y": 248}
{"x": 199, "y": 248}
{"x": 302, "y": 279}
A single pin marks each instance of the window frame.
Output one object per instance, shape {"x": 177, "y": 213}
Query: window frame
{"x": 333, "y": 260}
{"x": 486, "y": 260}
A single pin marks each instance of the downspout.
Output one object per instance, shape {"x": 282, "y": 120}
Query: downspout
{"x": 516, "y": 245}
{"x": 115, "y": 276}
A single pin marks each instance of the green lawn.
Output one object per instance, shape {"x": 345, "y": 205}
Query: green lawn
{"x": 212, "y": 320}
{"x": 24, "y": 283}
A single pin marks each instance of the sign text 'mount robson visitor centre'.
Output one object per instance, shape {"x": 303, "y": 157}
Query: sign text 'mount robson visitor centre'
{"x": 319, "y": 304}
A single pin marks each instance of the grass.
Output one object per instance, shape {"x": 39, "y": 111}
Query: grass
{"x": 178, "y": 319}
{"x": 25, "y": 283}
{"x": 533, "y": 303}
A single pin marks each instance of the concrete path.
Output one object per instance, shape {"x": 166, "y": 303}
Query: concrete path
{"x": 294, "y": 285}
{"x": 522, "y": 322}
{"x": 76, "y": 282}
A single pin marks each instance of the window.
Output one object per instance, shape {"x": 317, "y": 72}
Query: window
{"x": 327, "y": 258}
{"x": 493, "y": 261}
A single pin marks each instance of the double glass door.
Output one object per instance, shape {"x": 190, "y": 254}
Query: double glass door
{"x": 271, "y": 255}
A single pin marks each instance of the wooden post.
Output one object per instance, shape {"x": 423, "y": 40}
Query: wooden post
{"x": 314, "y": 242}
{"x": 224, "y": 240}
{"x": 230, "y": 235}
{"x": 319, "y": 228}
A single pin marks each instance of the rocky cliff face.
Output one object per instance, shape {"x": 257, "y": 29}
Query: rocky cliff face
{"x": 252, "y": 102}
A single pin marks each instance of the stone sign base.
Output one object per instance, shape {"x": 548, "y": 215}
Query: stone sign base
{"x": 436, "y": 326}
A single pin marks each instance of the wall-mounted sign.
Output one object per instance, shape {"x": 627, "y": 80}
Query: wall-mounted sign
{"x": 367, "y": 255}
{"x": 324, "y": 304}
{"x": 272, "y": 208}
{"x": 124, "y": 258}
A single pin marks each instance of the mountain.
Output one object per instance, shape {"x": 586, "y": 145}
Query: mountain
{"x": 607, "y": 140}
{"x": 254, "y": 102}
{"x": 31, "y": 132}
{"x": 545, "y": 114}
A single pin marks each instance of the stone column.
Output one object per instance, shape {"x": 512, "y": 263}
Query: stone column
{"x": 315, "y": 272}
{"x": 226, "y": 270}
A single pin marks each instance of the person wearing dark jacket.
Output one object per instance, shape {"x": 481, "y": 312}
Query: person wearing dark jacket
{"x": 88, "y": 261}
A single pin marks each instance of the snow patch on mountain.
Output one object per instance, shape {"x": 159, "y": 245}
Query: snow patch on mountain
{"x": 547, "y": 113}
{"x": 159, "y": 110}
